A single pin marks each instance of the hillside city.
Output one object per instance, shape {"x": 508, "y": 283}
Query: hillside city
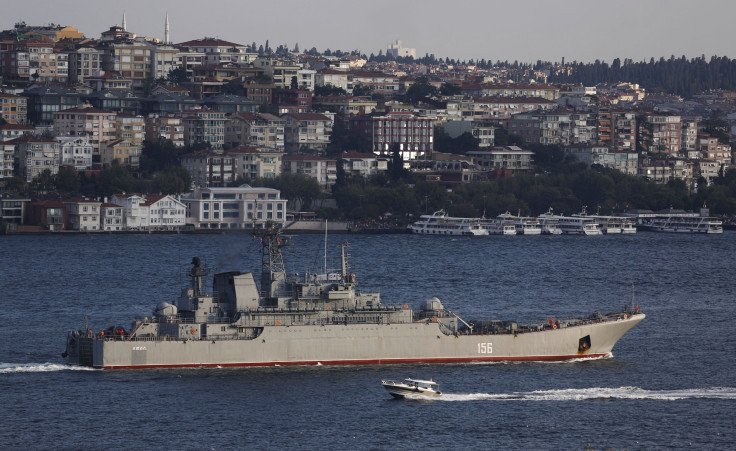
{"x": 126, "y": 132}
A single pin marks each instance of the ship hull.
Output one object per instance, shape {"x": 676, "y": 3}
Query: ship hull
{"x": 355, "y": 344}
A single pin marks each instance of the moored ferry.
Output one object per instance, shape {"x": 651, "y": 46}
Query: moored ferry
{"x": 438, "y": 223}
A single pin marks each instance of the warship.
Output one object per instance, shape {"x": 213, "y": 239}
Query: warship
{"x": 322, "y": 319}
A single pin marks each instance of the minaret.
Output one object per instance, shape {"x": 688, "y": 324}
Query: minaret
{"x": 125, "y": 27}
{"x": 166, "y": 31}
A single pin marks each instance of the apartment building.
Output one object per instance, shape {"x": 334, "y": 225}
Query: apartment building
{"x": 164, "y": 127}
{"x": 35, "y": 155}
{"x": 321, "y": 169}
{"x": 306, "y": 131}
{"x": 13, "y": 108}
{"x": 252, "y": 163}
{"x": 204, "y": 126}
{"x": 98, "y": 125}
{"x": 255, "y": 129}
{"x": 413, "y": 134}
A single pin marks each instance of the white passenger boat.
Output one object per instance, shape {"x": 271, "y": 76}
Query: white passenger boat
{"x": 683, "y": 224}
{"x": 438, "y": 223}
{"x": 549, "y": 223}
{"x": 498, "y": 227}
{"x": 412, "y": 388}
{"x": 522, "y": 224}
{"x": 610, "y": 225}
{"x": 574, "y": 225}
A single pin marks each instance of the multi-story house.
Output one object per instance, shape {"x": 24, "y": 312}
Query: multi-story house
{"x": 111, "y": 217}
{"x": 165, "y": 212}
{"x": 50, "y": 214}
{"x": 12, "y": 131}
{"x": 7, "y": 159}
{"x": 321, "y": 169}
{"x": 44, "y": 101}
{"x": 499, "y": 108}
{"x": 689, "y": 144}
{"x": 75, "y": 151}
{"x": 307, "y": 131}
{"x": 512, "y": 90}
{"x": 414, "y": 135}
{"x": 660, "y": 133}
{"x": 259, "y": 93}
{"x": 36, "y": 155}
{"x": 711, "y": 149}
{"x": 130, "y": 128}
{"x": 306, "y": 79}
{"x": 109, "y": 81}
{"x": 292, "y": 100}
{"x": 123, "y": 151}
{"x": 135, "y": 212}
{"x": 82, "y": 214}
{"x": 337, "y": 78}
{"x": 166, "y": 127}
{"x": 256, "y": 162}
{"x": 98, "y": 125}
{"x": 378, "y": 82}
{"x": 284, "y": 73}
{"x": 345, "y": 105}
{"x": 626, "y": 162}
{"x": 255, "y": 129}
{"x": 85, "y": 62}
{"x": 218, "y": 51}
{"x": 13, "y": 209}
{"x": 129, "y": 58}
{"x": 508, "y": 160}
{"x": 204, "y": 126}
{"x": 208, "y": 169}
{"x": 13, "y": 109}
{"x": 363, "y": 164}
{"x": 241, "y": 207}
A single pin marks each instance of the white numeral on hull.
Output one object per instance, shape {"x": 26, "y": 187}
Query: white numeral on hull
{"x": 485, "y": 348}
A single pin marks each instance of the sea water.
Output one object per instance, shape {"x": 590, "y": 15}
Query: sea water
{"x": 671, "y": 382}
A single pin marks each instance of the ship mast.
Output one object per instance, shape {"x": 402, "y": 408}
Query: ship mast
{"x": 273, "y": 273}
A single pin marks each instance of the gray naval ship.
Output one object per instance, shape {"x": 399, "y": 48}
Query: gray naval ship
{"x": 322, "y": 319}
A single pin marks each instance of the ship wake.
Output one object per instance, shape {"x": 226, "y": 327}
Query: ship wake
{"x": 9, "y": 368}
{"x": 599, "y": 393}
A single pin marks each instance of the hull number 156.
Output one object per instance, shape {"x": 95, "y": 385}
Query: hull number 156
{"x": 485, "y": 348}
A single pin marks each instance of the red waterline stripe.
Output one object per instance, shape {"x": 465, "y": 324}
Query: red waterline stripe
{"x": 360, "y": 362}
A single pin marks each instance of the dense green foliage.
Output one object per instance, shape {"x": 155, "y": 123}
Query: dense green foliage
{"x": 561, "y": 183}
{"x": 674, "y": 75}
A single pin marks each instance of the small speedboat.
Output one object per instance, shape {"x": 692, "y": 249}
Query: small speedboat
{"x": 412, "y": 388}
